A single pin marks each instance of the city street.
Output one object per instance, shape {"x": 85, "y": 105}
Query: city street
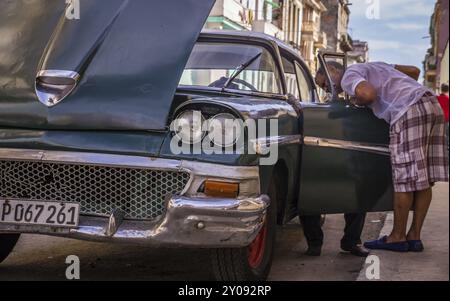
{"x": 433, "y": 263}
{"x": 130, "y": 123}
{"x": 43, "y": 258}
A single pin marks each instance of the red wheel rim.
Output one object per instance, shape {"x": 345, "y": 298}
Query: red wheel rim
{"x": 257, "y": 247}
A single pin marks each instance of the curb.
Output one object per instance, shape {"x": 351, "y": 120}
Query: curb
{"x": 385, "y": 230}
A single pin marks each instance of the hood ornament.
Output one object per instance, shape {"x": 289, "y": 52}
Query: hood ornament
{"x": 52, "y": 86}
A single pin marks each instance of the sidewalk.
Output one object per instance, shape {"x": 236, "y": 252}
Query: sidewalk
{"x": 433, "y": 263}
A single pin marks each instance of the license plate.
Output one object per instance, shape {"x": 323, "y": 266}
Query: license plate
{"x": 39, "y": 213}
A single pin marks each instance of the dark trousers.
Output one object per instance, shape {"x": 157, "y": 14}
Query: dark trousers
{"x": 354, "y": 224}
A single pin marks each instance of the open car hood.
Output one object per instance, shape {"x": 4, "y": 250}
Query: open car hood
{"x": 115, "y": 68}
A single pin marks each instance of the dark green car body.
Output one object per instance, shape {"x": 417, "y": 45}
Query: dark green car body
{"x": 121, "y": 66}
{"x": 115, "y": 110}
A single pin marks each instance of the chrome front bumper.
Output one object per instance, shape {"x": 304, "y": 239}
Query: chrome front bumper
{"x": 191, "y": 219}
{"x": 188, "y": 222}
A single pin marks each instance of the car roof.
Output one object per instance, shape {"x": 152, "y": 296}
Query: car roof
{"x": 252, "y": 35}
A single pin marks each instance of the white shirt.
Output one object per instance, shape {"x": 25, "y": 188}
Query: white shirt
{"x": 396, "y": 91}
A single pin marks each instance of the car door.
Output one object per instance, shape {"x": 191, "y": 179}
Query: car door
{"x": 345, "y": 163}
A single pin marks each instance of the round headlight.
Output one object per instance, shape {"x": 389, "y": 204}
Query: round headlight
{"x": 224, "y": 129}
{"x": 188, "y": 127}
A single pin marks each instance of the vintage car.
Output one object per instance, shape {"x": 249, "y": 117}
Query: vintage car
{"x": 85, "y": 139}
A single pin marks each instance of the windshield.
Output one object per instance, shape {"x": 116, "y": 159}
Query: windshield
{"x": 213, "y": 64}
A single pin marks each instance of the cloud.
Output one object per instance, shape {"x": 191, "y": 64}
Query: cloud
{"x": 385, "y": 45}
{"x": 406, "y": 26}
{"x": 394, "y": 9}
{"x": 397, "y": 46}
{"x": 397, "y": 36}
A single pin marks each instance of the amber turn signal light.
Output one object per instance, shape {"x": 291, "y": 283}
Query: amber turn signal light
{"x": 221, "y": 189}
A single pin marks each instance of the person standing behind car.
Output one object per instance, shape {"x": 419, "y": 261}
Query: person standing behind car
{"x": 419, "y": 156}
{"x": 443, "y": 101}
{"x": 350, "y": 242}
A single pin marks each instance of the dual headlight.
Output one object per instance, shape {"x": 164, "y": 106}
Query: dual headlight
{"x": 222, "y": 129}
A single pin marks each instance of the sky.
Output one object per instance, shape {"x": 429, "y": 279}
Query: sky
{"x": 397, "y": 30}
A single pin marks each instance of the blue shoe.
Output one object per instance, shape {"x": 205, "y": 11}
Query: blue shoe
{"x": 381, "y": 244}
{"x": 415, "y": 245}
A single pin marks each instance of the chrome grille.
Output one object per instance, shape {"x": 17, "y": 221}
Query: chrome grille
{"x": 139, "y": 193}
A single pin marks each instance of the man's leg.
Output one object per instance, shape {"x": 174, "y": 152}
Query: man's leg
{"x": 354, "y": 225}
{"x": 422, "y": 200}
{"x": 403, "y": 202}
{"x": 351, "y": 242}
{"x": 313, "y": 233}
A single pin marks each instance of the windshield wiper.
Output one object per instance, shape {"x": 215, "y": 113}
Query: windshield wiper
{"x": 239, "y": 70}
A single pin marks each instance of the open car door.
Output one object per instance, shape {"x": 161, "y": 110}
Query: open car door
{"x": 345, "y": 164}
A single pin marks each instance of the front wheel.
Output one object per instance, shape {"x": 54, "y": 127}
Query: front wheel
{"x": 250, "y": 263}
{"x": 7, "y": 243}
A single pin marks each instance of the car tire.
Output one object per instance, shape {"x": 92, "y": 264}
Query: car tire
{"x": 251, "y": 263}
{"x": 7, "y": 243}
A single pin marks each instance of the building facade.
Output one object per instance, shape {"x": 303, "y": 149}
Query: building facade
{"x": 257, "y": 15}
{"x": 436, "y": 60}
{"x": 307, "y": 25}
{"x": 232, "y": 15}
{"x": 444, "y": 67}
{"x": 313, "y": 37}
{"x": 335, "y": 24}
{"x": 297, "y": 22}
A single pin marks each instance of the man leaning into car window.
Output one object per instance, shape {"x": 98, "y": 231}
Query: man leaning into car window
{"x": 418, "y": 150}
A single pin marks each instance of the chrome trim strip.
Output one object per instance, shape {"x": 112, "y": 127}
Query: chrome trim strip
{"x": 59, "y": 73}
{"x": 348, "y": 145}
{"x": 85, "y": 158}
{"x": 262, "y": 145}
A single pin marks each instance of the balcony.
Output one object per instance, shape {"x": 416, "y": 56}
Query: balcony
{"x": 310, "y": 31}
{"x": 346, "y": 43}
{"x": 431, "y": 63}
{"x": 322, "y": 41}
{"x": 309, "y": 27}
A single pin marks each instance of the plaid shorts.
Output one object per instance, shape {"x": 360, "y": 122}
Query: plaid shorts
{"x": 419, "y": 155}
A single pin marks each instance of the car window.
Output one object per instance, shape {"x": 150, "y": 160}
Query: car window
{"x": 306, "y": 91}
{"x": 291, "y": 78}
{"x": 212, "y": 64}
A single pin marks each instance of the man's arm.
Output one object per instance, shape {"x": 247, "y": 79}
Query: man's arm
{"x": 365, "y": 94}
{"x": 354, "y": 83}
{"x": 411, "y": 71}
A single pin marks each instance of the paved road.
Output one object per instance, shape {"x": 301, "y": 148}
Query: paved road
{"x": 292, "y": 265}
{"x": 433, "y": 263}
{"x": 43, "y": 258}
